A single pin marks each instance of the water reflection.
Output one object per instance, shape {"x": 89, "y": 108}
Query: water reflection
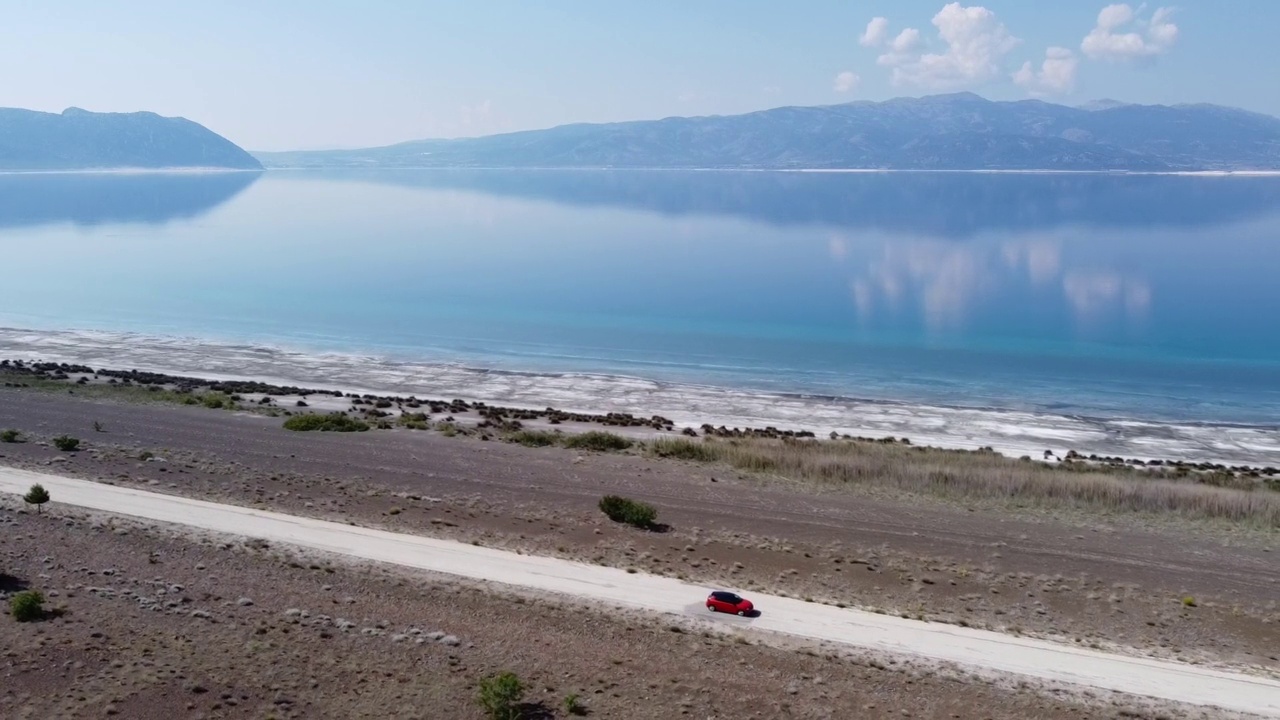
{"x": 936, "y": 204}
{"x": 93, "y": 199}
{"x": 949, "y": 283}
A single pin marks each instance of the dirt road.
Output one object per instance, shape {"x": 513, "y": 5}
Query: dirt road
{"x": 964, "y": 646}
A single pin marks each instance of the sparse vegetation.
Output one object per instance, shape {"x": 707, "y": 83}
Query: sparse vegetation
{"x": 573, "y": 704}
{"x": 27, "y": 606}
{"x": 681, "y": 449}
{"x": 331, "y": 422}
{"x": 598, "y": 440}
{"x": 414, "y": 421}
{"x": 66, "y": 443}
{"x": 500, "y": 696}
{"x": 1189, "y": 601}
{"x": 967, "y": 476}
{"x": 217, "y": 401}
{"x": 10, "y": 436}
{"x": 97, "y": 426}
{"x": 631, "y": 512}
{"x": 535, "y": 438}
{"x": 37, "y": 496}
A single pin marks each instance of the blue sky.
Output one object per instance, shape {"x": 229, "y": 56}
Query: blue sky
{"x": 287, "y": 74}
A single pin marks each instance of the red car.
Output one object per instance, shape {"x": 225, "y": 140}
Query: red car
{"x": 721, "y": 601}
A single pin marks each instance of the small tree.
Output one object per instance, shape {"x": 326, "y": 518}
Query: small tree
{"x": 500, "y": 696}
{"x": 9, "y": 436}
{"x": 37, "y": 496}
{"x": 27, "y": 606}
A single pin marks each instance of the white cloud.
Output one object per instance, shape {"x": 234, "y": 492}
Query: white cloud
{"x": 876, "y": 32}
{"x": 1109, "y": 41}
{"x": 906, "y": 41}
{"x": 976, "y": 41}
{"x": 1057, "y": 73}
{"x": 846, "y": 81}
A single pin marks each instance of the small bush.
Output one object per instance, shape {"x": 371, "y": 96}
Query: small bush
{"x": 1189, "y": 601}
{"x": 535, "y": 438}
{"x": 681, "y": 449}
{"x": 332, "y": 422}
{"x": 598, "y": 441}
{"x": 97, "y": 426}
{"x": 66, "y": 443}
{"x": 500, "y": 696}
{"x": 573, "y": 704}
{"x": 10, "y": 436}
{"x": 631, "y": 512}
{"x": 37, "y": 496}
{"x": 214, "y": 402}
{"x": 27, "y": 606}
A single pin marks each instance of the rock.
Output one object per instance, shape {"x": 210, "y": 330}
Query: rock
{"x": 244, "y": 602}
{"x": 450, "y": 640}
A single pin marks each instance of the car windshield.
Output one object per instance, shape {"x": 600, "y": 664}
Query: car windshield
{"x": 730, "y": 597}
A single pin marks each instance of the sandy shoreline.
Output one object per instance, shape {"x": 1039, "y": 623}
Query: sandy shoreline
{"x": 1014, "y": 433}
{"x": 282, "y": 395}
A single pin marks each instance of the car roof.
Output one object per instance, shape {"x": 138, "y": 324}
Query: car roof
{"x": 724, "y": 594}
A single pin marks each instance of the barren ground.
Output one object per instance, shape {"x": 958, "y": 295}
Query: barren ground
{"x": 1103, "y": 583}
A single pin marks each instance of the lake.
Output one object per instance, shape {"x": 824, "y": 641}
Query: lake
{"x": 1126, "y": 314}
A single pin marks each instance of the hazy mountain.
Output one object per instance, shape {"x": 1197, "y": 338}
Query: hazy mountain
{"x": 943, "y": 132}
{"x": 80, "y": 140}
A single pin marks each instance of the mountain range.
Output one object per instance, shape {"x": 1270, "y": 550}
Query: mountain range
{"x": 77, "y": 139}
{"x": 959, "y": 131}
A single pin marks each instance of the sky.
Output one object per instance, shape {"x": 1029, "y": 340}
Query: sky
{"x": 319, "y": 74}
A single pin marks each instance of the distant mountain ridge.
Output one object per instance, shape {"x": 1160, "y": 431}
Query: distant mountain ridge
{"x": 81, "y": 140}
{"x": 959, "y": 131}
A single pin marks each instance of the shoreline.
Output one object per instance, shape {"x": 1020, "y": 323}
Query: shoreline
{"x": 864, "y": 171}
{"x": 386, "y": 411}
{"x": 1013, "y": 432}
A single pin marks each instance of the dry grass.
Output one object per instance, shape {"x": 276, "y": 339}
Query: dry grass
{"x": 983, "y": 475}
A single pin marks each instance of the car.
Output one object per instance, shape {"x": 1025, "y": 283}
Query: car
{"x": 724, "y": 601}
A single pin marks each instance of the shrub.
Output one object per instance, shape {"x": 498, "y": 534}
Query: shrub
{"x": 332, "y": 422}
{"x": 66, "y": 443}
{"x": 10, "y": 436}
{"x": 500, "y": 696}
{"x": 597, "y": 440}
{"x": 27, "y": 606}
{"x": 97, "y": 426}
{"x": 37, "y": 496}
{"x": 631, "y": 512}
{"x": 218, "y": 401}
{"x": 682, "y": 449}
{"x": 1189, "y": 601}
{"x": 573, "y": 704}
{"x": 535, "y": 438}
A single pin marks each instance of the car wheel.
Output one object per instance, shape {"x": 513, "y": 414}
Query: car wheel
{"x": 712, "y": 608}
{"x": 742, "y": 613}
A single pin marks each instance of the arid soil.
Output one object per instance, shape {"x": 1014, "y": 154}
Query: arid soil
{"x": 1173, "y": 590}
{"x": 147, "y": 623}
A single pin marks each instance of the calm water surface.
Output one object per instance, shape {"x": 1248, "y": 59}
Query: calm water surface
{"x": 1045, "y": 301}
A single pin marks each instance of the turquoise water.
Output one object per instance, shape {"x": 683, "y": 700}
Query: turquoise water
{"x": 1087, "y": 298}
